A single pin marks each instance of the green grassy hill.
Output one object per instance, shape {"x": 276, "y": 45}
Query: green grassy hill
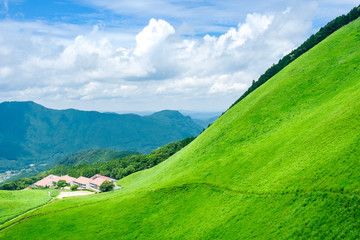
{"x": 283, "y": 163}
{"x": 14, "y": 203}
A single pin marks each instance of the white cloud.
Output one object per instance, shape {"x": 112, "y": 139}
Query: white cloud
{"x": 254, "y": 26}
{"x": 230, "y": 83}
{"x": 71, "y": 65}
{"x": 5, "y": 72}
{"x": 95, "y": 90}
{"x": 353, "y": 2}
{"x": 152, "y": 35}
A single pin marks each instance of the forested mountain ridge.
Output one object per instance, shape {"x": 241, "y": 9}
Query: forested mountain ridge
{"x": 33, "y": 134}
{"x": 93, "y": 156}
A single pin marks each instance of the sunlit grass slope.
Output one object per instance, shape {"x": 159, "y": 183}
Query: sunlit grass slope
{"x": 300, "y": 131}
{"x": 281, "y": 164}
{"x": 14, "y": 203}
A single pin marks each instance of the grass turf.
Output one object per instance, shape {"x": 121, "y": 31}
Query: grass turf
{"x": 14, "y": 203}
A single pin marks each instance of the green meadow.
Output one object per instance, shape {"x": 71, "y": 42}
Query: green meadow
{"x": 283, "y": 163}
{"x": 14, "y": 203}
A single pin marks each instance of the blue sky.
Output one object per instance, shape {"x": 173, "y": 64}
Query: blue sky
{"x": 148, "y": 55}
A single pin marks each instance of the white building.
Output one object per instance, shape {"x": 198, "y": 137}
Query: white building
{"x": 82, "y": 182}
{"x": 51, "y": 180}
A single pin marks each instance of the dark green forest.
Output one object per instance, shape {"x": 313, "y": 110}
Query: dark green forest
{"x": 93, "y": 156}
{"x": 115, "y": 168}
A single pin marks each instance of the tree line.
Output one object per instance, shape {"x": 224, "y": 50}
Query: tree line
{"x": 116, "y": 168}
{"x": 313, "y": 40}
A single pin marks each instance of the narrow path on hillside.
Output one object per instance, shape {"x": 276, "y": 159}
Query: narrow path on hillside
{"x": 253, "y": 193}
{"x": 31, "y": 210}
{"x": 60, "y": 196}
{"x": 41, "y": 214}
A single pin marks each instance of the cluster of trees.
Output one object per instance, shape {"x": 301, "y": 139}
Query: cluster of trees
{"x": 116, "y": 168}
{"x": 107, "y": 186}
{"x": 306, "y": 46}
{"x": 61, "y": 183}
{"x": 93, "y": 156}
{"x": 19, "y": 184}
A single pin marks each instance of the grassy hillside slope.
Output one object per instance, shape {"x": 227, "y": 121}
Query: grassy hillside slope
{"x": 297, "y": 132}
{"x": 281, "y": 164}
{"x": 13, "y": 203}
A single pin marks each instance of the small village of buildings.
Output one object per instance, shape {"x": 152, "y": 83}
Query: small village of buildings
{"x": 92, "y": 183}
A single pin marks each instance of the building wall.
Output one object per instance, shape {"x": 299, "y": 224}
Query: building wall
{"x": 96, "y": 187}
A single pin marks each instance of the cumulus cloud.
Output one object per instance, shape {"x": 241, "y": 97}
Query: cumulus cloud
{"x": 153, "y": 34}
{"x": 73, "y": 65}
{"x": 5, "y": 72}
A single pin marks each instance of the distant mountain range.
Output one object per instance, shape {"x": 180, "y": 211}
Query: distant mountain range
{"x": 33, "y": 134}
{"x": 201, "y": 118}
{"x": 205, "y": 122}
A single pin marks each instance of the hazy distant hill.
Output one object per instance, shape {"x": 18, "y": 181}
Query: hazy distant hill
{"x": 33, "y": 134}
{"x": 202, "y": 118}
{"x": 205, "y": 122}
